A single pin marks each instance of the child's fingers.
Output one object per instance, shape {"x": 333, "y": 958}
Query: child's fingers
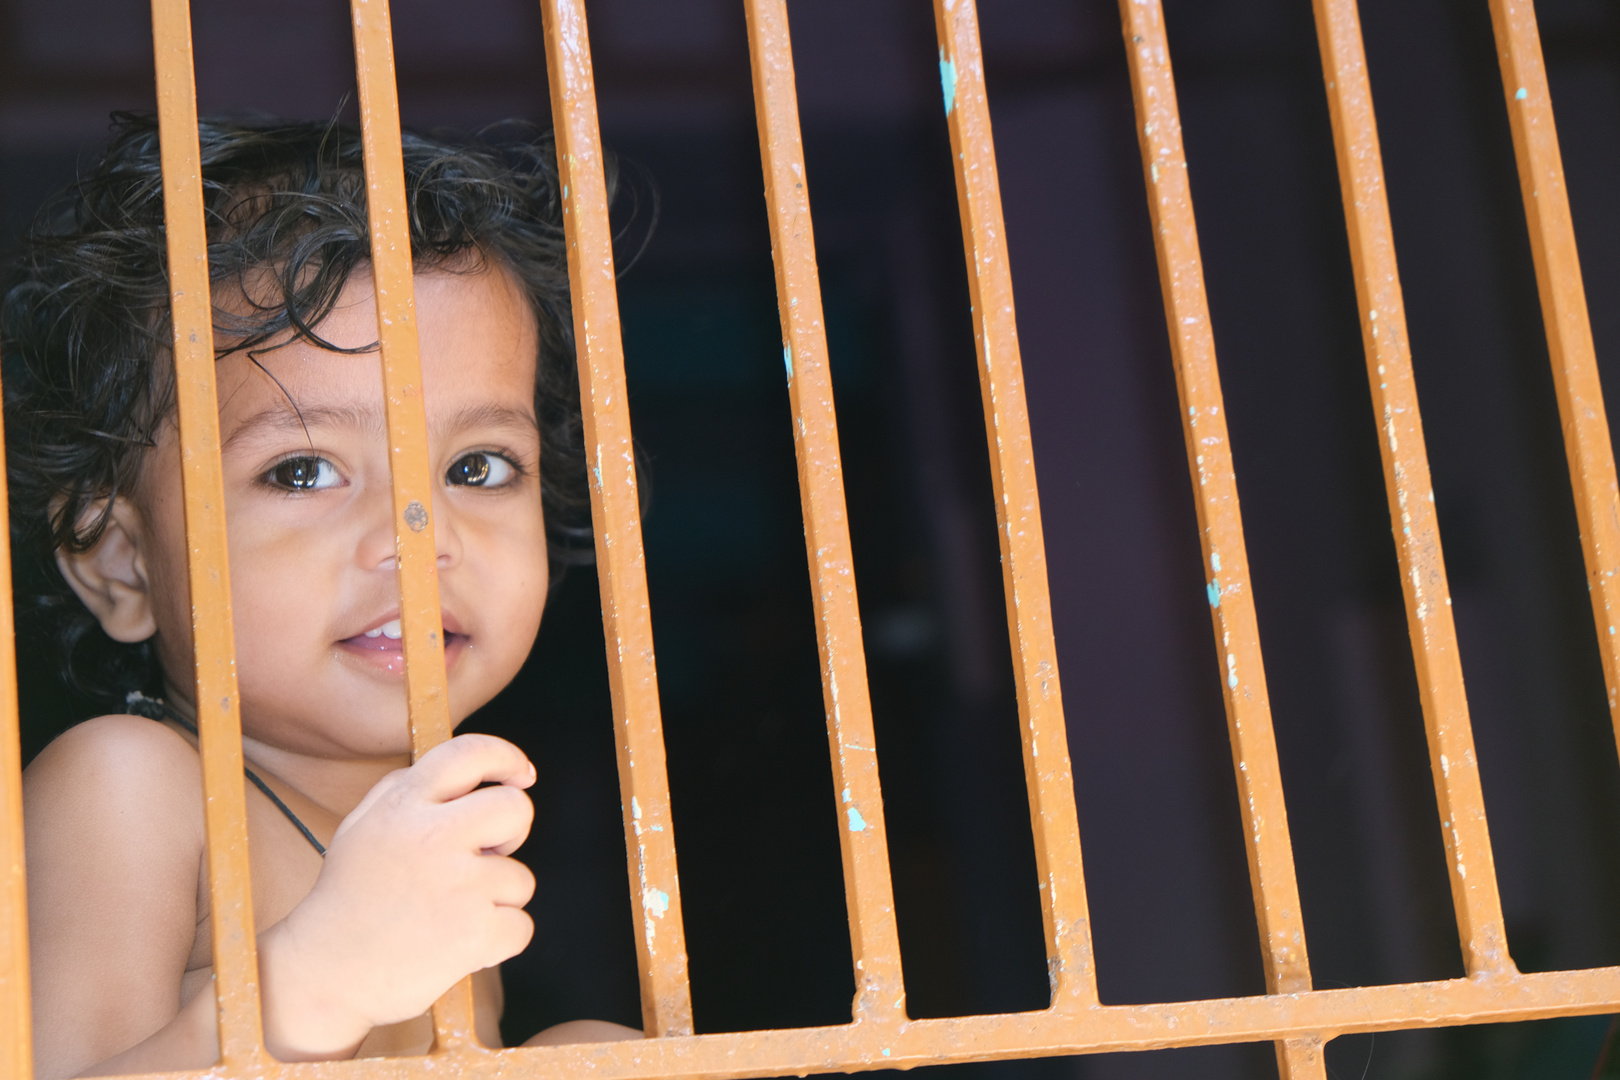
{"x": 378, "y": 791}
{"x": 510, "y": 931}
{"x": 452, "y": 769}
{"x": 494, "y": 819}
{"x": 508, "y": 883}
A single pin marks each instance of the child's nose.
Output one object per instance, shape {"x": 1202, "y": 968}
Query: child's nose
{"x": 377, "y": 548}
{"x": 446, "y": 535}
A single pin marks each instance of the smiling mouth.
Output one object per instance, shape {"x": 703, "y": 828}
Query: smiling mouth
{"x": 383, "y": 647}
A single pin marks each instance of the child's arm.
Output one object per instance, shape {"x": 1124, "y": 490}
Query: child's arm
{"x": 115, "y": 864}
{"x": 583, "y": 1031}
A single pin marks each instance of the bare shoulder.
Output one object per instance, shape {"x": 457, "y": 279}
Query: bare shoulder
{"x": 129, "y": 774}
{"x": 113, "y": 815}
{"x": 113, "y": 794}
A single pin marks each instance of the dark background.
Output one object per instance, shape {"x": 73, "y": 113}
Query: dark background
{"x": 742, "y": 705}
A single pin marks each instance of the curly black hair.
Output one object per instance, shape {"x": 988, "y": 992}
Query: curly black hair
{"x": 85, "y": 331}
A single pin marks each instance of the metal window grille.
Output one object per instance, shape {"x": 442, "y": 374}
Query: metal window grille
{"x": 1296, "y": 1017}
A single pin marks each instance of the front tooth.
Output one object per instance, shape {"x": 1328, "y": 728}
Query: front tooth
{"x": 392, "y": 631}
{"x": 374, "y": 633}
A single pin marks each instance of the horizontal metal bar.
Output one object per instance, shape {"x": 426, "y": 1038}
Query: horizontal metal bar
{"x": 666, "y": 997}
{"x": 1047, "y": 771}
{"x": 1049, "y": 1033}
{"x": 1469, "y": 861}
{"x": 219, "y": 721}
{"x": 863, "y": 839}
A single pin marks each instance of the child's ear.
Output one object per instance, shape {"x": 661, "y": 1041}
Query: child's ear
{"x": 111, "y": 577}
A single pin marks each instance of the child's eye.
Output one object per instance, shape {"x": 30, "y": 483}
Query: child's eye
{"x": 480, "y": 469}
{"x": 303, "y": 474}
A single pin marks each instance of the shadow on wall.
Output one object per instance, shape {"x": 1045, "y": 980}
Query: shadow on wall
{"x": 732, "y": 618}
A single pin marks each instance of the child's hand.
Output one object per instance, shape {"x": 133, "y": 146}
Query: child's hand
{"x": 416, "y": 893}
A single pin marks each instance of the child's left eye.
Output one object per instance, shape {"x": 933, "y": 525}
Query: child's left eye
{"x": 480, "y": 469}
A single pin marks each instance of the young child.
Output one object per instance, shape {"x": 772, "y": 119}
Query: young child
{"x": 377, "y": 884}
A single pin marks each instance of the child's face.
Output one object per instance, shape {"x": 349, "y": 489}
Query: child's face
{"x": 311, "y": 526}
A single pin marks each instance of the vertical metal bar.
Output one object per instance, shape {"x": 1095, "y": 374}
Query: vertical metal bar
{"x": 219, "y": 723}
{"x": 863, "y": 839}
{"x": 1470, "y": 864}
{"x": 16, "y": 1027}
{"x": 1018, "y": 512}
{"x": 1569, "y": 330}
{"x": 416, "y": 552}
{"x": 1209, "y": 454}
{"x": 666, "y": 997}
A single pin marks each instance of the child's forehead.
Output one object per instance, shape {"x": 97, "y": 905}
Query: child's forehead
{"x": 478, "y": 350}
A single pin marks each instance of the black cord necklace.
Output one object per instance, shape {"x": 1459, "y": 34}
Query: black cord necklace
{"x": 158, "y": 709}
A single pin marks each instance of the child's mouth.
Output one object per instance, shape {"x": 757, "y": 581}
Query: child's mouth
{"x": 383, "y": 646}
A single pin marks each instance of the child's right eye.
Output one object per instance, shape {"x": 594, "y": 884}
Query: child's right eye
{"x": 303, "y": 474}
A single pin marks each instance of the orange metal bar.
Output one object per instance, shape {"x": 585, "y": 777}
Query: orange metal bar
{"x": 1569, "y": 330}
{"x": 1231, "y": 598}
{"x": 1018, "y": 511}
{"x": 219, "y": 722}
{"x": 1051, "y": 1032}
{"x": 874, "y": 938}
{"x": 416, "y": 552}
{"x": 16, "y": 1031}
{"x": 1209, "y": 454}
{"x": 1470, "y": 863}
{"x": 666, "y": 998}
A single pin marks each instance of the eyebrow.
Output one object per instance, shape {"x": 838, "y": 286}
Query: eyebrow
{"x": 369, "y": 420}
